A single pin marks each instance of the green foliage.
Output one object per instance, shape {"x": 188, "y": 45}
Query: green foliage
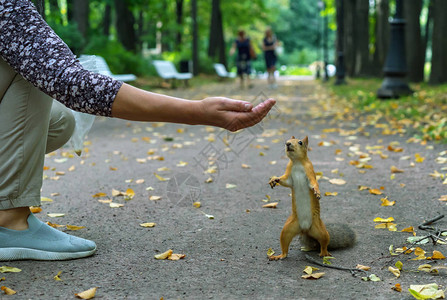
{"x": 70, "y": 35}
{"x": 294, "y": 70}
{"x": 119, "y": 59}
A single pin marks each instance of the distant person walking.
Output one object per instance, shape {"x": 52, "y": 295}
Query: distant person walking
{"x": 244, "y": 54}
{"x": 269, "y": 46}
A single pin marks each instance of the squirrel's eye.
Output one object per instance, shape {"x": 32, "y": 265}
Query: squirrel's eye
{"x": 300, "y": 142}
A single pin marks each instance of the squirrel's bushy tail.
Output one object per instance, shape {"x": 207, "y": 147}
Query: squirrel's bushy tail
{"x": 341, "y": 236}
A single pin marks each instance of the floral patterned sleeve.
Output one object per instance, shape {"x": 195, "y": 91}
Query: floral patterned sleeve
{"x": 34, "y": 51}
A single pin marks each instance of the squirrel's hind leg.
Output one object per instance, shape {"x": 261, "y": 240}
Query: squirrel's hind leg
{"x": 320, "y": 233}
{"x": 290, "y": 230}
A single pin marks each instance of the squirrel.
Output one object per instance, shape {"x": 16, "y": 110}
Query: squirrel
{"x": 305, "y": 218}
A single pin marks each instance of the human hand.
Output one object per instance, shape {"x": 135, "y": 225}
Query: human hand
{"x": 232, "y": 114}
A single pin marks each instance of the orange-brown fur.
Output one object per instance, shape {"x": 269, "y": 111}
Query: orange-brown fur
{"x": 296, "y": 150}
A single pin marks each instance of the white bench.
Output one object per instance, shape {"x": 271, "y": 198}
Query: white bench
{"x": 167, "y": 71}
{"x": 222, "y": 71}
{"x": 99, "y": 65}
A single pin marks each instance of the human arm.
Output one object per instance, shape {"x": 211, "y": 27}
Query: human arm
{"x": 135, "y": 104}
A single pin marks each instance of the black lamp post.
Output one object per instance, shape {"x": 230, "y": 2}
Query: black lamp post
{"x": 340, "y": 43}
{"x": 322, "y": 6}
{"x": 394, "y": 85}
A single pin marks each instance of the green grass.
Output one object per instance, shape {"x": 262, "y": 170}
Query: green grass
{"x": 424, "y": 111}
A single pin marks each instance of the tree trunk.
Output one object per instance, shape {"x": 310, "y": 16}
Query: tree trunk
{"x": 361, "y": 29}
{"x": 382, "y": 36}
{"x": 179, "y": 20}
{"x": 217, "y": 41}
{"x": 40, "y": 5}
{"x": 438, "y": 74}
{"x": 125, "y": 25}
{"x": 195, "y": 38}
{"x": 80, "y": 10}
{"x": 349, "y": 44}
{"x": 107, "y": 20}
{"x": 414, "y": 45}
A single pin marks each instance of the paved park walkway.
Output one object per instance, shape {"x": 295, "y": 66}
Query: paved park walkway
{"x": 154, "y": 173}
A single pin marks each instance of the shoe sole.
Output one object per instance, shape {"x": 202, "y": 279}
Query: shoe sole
{"x": 33, "y": 254}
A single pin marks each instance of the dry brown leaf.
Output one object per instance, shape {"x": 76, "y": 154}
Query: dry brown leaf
{"x": 397, "y": 287}
{"x": 270, "y": 205}
{"x": 437, "y": 255}
{"x": 313, "y": 276}
{"x": 175, "y": 256}
{"x": 395, "y": 271}
{"x": 362, "y": 267}
{"x": 35, "y": 209}
{"x": 394, "y": 169}
{"x": 88, "y": 294}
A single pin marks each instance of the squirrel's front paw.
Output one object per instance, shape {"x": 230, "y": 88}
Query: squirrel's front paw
{"x": 274, "y": 181}
{"x": 317, "y": 193}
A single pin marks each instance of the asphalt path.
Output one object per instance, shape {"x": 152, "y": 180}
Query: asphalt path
{"x": 225, "y": 240}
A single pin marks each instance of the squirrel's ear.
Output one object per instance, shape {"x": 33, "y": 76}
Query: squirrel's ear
{"x": 293, "y": 137}
{"x": 306, "y": 141}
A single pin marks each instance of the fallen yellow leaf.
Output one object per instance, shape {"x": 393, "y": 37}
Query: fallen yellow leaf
{"x": 270, "y": 205}
{"x": 386, "y": 202}
{"x": 148, "y": 225}
{"x": 115, "y": 205}
{"x": 154, "y": 198}
{"x": 337, "y": 181}
{"x": 270, "y": 252}
{"x": 88, "y": 294}
{"x": 164, "y": 255}
{"x": 97, "y": 195}
{"x": 160, "y": 177}
{"x": 375, "y": 192}
{"x": 387, "y": 220}
{"x": 5, "y": 269}
{"x": 55, "y": 215}
{"x": 331, "y": 194}
{"x": 362, "y": 267}
{"x": 35, "y": 209}
{"x": 73, "y": 227}
{"x": 197, "y": 204}
{"x": 56, "y": 277}
{"x": 7, "y": 290}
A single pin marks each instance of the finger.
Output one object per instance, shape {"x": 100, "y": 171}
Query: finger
{"x": 235, "y": 105}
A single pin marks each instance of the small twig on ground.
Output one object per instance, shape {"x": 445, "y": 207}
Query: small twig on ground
{"x": 424, "y": 226}
{"x": 354, "y": 271}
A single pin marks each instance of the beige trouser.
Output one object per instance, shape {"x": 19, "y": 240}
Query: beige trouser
{"x": 31, "y": 124}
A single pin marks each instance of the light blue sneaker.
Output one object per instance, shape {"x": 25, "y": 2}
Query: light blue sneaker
{"x": 42, "y": 242}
